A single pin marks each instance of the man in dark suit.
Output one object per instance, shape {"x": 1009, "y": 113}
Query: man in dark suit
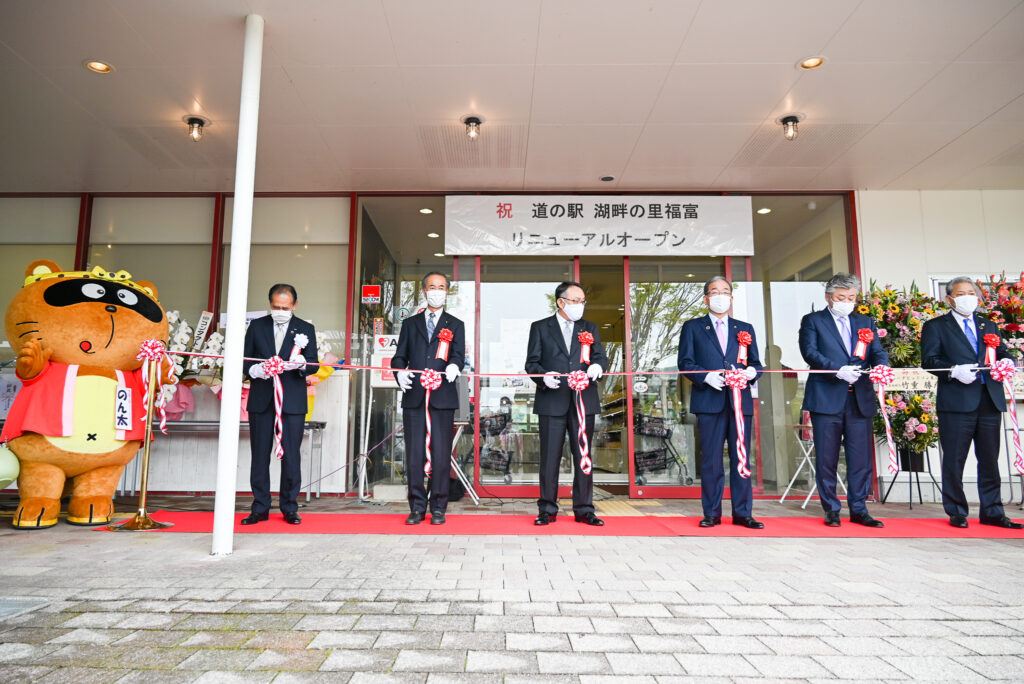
{"x": 554, "y": 350}
{"x": 422, "y": 345}
{"x": 269, "y": 336}
{"x": 708, "y": 344}
{"x": 842, "y": 402}
{"x": 969, "y": 403}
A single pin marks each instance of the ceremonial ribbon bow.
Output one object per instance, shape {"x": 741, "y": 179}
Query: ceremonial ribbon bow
{"x": 736, "y": 379}
{"x": 431, "y": 380}
{"x": 883, "y": 376}
{"x": 579, "y": 381}
{"x": 1003, "y": 371}
{"x": 149, "y": 351}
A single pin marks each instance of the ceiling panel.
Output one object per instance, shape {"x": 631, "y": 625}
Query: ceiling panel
{"x": 612, "y": 31}
{"x": 594, "y": 150}
{"x": 694, "y": 178}
{"x": 964, "y": 92}
{"x": 596, "y": 94}
{"x": 216, "y": 39}
{"x": 977, "y": 147}
{"x": 765, "y": 177}
{"x": 373, "y": 147}
{"x": 722, "y": 93}
{"x": 689, "y": 146}
{"x": 351, "y": 95}
{"x": 1002, "y": 43}
{"x": 446, "y": 94}
{"x": 898, "y": 146}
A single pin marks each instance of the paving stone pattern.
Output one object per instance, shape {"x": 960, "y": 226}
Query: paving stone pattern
{"x": 156, "y": 607}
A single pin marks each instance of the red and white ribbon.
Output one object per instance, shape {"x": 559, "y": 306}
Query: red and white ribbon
{"x": 864, "y": 337}
{"x": 151, "y": 351}
{"x": 586, "y": 339}
{"x": 444, "y": 338}
{"x": 579, "y": 381}
{"x": 273, "y": 367}
{"x": 744, "y": 340}
{"x": 1003, "y": 371}
{"x": 431, "y": 380}
{"x": 882, "y": 376}
{"x": 991, "y": 344}
{"x": 736, "y": 379}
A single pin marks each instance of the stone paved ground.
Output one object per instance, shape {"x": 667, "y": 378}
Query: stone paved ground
{"x": 156, "y": 607}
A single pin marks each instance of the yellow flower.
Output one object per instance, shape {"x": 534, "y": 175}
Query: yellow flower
{"x": 890, "y": 402}
{"x": 929, "y": 312}
{"x": 925, "y": 418}
{"x": 918, "y": 399}
{"x": 893, "y": 308}
{"x": 863, "y": 309}
{"x": 888, "y": 293}
{"x": 908, "y": 410}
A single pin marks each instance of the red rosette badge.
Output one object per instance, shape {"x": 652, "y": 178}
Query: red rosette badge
{"x": 586, "y": 339}
{"x": 865, "y": 336}
{"x": 744, "y": 339}
{"x": 444, "y": 338}
{"x": 991, "y": 344}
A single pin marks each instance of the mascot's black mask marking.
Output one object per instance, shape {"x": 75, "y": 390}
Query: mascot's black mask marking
{"x": 80, "y": 291}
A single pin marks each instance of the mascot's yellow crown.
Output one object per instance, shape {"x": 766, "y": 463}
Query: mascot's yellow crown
{"x": 97, "y": 272}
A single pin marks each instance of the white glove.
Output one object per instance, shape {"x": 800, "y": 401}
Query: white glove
{"x": 256, "y": 372}
{"x": 451, "y": 372}
{"x": 715, "y": 380}
{"x": 750, "y": 372}
{"x": 296, "y": 362}
{"x": 848, "y": 374}
{"x": 552, "y": 380}
{"x": 964, "y": 374}
{"x": 594, "y": 371}
{"x": 404, "y": 378}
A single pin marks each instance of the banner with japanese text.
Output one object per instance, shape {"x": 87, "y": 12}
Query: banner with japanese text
{"x": 658, "y": 225}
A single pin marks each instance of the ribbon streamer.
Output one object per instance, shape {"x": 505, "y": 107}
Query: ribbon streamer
{"x": 431, "y": 380}
{"x": 882, "y": 376}
{"x": 737, "y": 380}
{"x": 273, "y": 367}
{"x": 579, "y": 381}
{"x": 1003, "y": 371}
{"x": 153, "y": 351}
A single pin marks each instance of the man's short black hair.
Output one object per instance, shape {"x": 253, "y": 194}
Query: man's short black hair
{"x": 447, "y": 283}
{"x": 562, "y": 287}
{"x": 283, "y": 287}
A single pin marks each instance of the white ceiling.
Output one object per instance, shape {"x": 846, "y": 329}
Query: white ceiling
{"x": 661, "y": 94}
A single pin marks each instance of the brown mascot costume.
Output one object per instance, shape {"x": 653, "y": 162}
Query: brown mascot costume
{"x": 76, "y": 335}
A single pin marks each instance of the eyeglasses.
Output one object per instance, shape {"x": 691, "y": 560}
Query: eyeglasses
{"x": 573, "y": 301}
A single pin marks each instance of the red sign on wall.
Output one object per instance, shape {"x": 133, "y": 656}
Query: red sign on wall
{"x": 371, "y": 294}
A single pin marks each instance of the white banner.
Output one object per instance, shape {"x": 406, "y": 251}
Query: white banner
{"x": 657, "y": 225}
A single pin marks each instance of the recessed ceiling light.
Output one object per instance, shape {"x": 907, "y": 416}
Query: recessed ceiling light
{"x": 764, "y": 210}
{"x": 98, "y": 66}
{"x": 438, "y": 254}
{"x": 426, "y": 210}
{"x": 812, "y": 62}
{"x": 607, "y": 179}
{"x": 689, "y": 275}
{"x": 433, "y": 235}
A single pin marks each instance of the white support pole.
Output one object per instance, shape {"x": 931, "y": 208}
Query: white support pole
{"x": 238, "y": 288}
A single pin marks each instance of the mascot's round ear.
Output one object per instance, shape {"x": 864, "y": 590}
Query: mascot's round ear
{"x": 148, "y": 287}
{"x": 41, "y": 267}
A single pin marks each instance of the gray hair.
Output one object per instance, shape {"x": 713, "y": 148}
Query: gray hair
{"x": 843, "y": 280}
{"x": 962, "y": 279}
{"x": 715, "y": 279}
{"x": 447, "y": 283}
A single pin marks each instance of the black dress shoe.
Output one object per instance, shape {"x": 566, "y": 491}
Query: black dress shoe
{"x": 958, "y": 521}
{"x": 866, "y": 520}
{"x": 710, "y": 521}
{"x": 437, "y": 518}
{"x": 415, "y": 518}
{"x": 832, "y": 519}
{"x": 545, "y": 518}
{"x": 1002, "y": 521}
{"x": 748, "y": 522}
{"x": 590, "y": 519}
{"x": 292, "y": 519}
{"x": 253, "y": 518}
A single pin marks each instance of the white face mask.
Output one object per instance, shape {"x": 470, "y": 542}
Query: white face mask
{"x": 719, "y": 303}
{"x": 573, "y": 311}
{"x": 435, "y": 298}
{"x": 965, "y": 304}
{"x": 281, "y": 316}
{"x": 842, "y": 308}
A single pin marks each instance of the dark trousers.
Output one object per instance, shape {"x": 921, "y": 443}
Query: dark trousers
{"x": 714, "y": 428}
{"x": 261, "y": 442}
{"x": 442, "y": 430}
{"x": 854, "y": 431}
{"x": 956, "y": 432}
{"x": 552, "y": 437}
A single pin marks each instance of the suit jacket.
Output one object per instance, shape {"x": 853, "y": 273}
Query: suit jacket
{"x": 824, "y": 349}
{"x": 545, "y": 352}
{"x": 699, "y": 350}
{"x": 259, "y": 343}
{"x": 944, "y": 345}
{"x": 418, "y": 352}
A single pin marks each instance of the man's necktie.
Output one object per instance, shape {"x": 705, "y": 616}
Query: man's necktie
{"x": 971, "y": 337}
{"x": 279, "y": 330}
{"x": 720, "y": 331}
{"x": 844, "y": 323}
{"x": 567, "y": 334}
{"x": 430, "y": 326}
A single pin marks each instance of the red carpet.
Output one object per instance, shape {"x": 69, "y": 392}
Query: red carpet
{"x": 622, "y": 526}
